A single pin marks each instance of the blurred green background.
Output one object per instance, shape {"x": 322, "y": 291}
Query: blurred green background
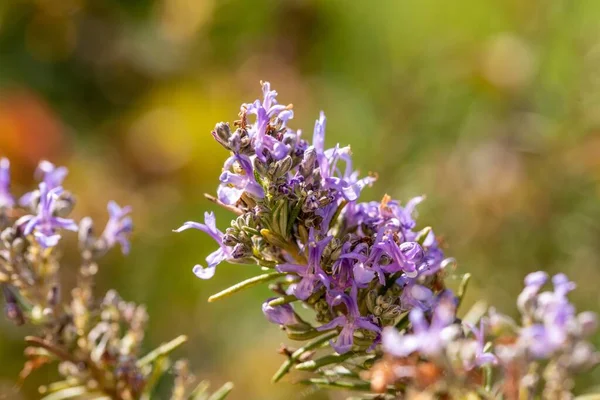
{"x": 490, "y": 107}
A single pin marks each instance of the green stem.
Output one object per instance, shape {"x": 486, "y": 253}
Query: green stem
{"x": 245, "y": 284}
{"x": 323, "y": 361}
{"x": 287, "y": 365}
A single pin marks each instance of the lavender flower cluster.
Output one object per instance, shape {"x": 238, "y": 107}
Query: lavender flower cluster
{"x": 374, "y": 283}
{"x": 96, "y": 342}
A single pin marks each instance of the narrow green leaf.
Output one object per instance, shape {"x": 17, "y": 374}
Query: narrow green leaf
{"x": 245, "y": 284}
{"x": 326, "y": 383}
{"x": 323, "y": 361}
{"x": 282, "y": 300}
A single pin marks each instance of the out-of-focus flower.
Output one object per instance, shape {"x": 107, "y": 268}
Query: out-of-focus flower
{"x": 6, "y": 198}
{"x": 428, "y": 338}
{"x": 118, "y": 227}
{"x": 48, "y": 173}
{"x": 45, "y": 225}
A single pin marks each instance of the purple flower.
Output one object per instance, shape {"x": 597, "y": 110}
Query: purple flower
{"x": 552, "y": 315}
{"x": 349, "y": 322}
{"x": 427, "y": 338}
{"x": 406, "y": 257}
{"x": 48, "y": 173}
{"x": 347, "y": 182}
{"x": 265, "y": 111}
{"x": 215, "y": 258}
{"x": 44, "y": 225}
{"x": 414, "y": 295}
{"x": 366, "y": 266}
{"x": 281, "y": 315}
{"x": 234, "y": 184}
{"x": 481, "y": 357}
{"x": 6, "y": 199}
{"x": 118, "y": 227}
{"x": 312, "y": 274}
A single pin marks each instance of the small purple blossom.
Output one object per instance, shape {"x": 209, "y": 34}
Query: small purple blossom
{"x": 265, "y": 111}
{"x": 216, "y": 257}
{"x": 234, "y": 184}
{"x": 350, "y": 322}
{"x": 48, "y": 173}
{"x": 118, "y": 227}
{"x": 414, "y": 295}
{"x": 6, "y": 198}
{"x": 45, "y": 225}
{"x": 281, "y": 315}
{"x": 551, "y": 314}
{"x": 312, "y": 274}
{"x": 481, "y": 357}
{"x": 427, "y": 338}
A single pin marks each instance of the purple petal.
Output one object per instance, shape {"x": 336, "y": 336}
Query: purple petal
{"x": 334, "y": 323}
{"x": 281, "y": 315}
{"x": 229, "y": 195}
{"x": 398, "y": 345}
{"x": 362, "y": 275}
{"x": 47, "y": 241}
{"x": 305, "y": 287}
{"x": 536, "y": 279}
{"x": 292, "y": 268}
{"x": 204, "y": 273}
{"x": 343, "y": 343}
{"x": 216, "y": 257}
{"x": 64, "y": 223}
{"x": 364, "y": 323}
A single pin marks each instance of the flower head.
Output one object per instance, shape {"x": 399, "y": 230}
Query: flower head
{"x": 45, "y": 225}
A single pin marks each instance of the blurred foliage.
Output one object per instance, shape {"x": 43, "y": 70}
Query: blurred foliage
{"x": 490, "y": 107}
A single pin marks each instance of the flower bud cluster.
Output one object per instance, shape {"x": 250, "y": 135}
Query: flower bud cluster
{"x": 368, "y": 274}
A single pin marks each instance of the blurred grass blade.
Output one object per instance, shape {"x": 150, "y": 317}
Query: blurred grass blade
{"x": 223, "y": 392}
{"x": 67, "y": 393}
{"x": 200, "y": 392}
{"x": 462, "y": 288}
{"x": 323, "y": 361}
{"x": 162, "y": 350}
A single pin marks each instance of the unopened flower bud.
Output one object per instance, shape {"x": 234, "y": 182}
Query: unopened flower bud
{"x": 64, "y": 205}
{"x": 281, "y": 315}
{"x": 221, "y": 133}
